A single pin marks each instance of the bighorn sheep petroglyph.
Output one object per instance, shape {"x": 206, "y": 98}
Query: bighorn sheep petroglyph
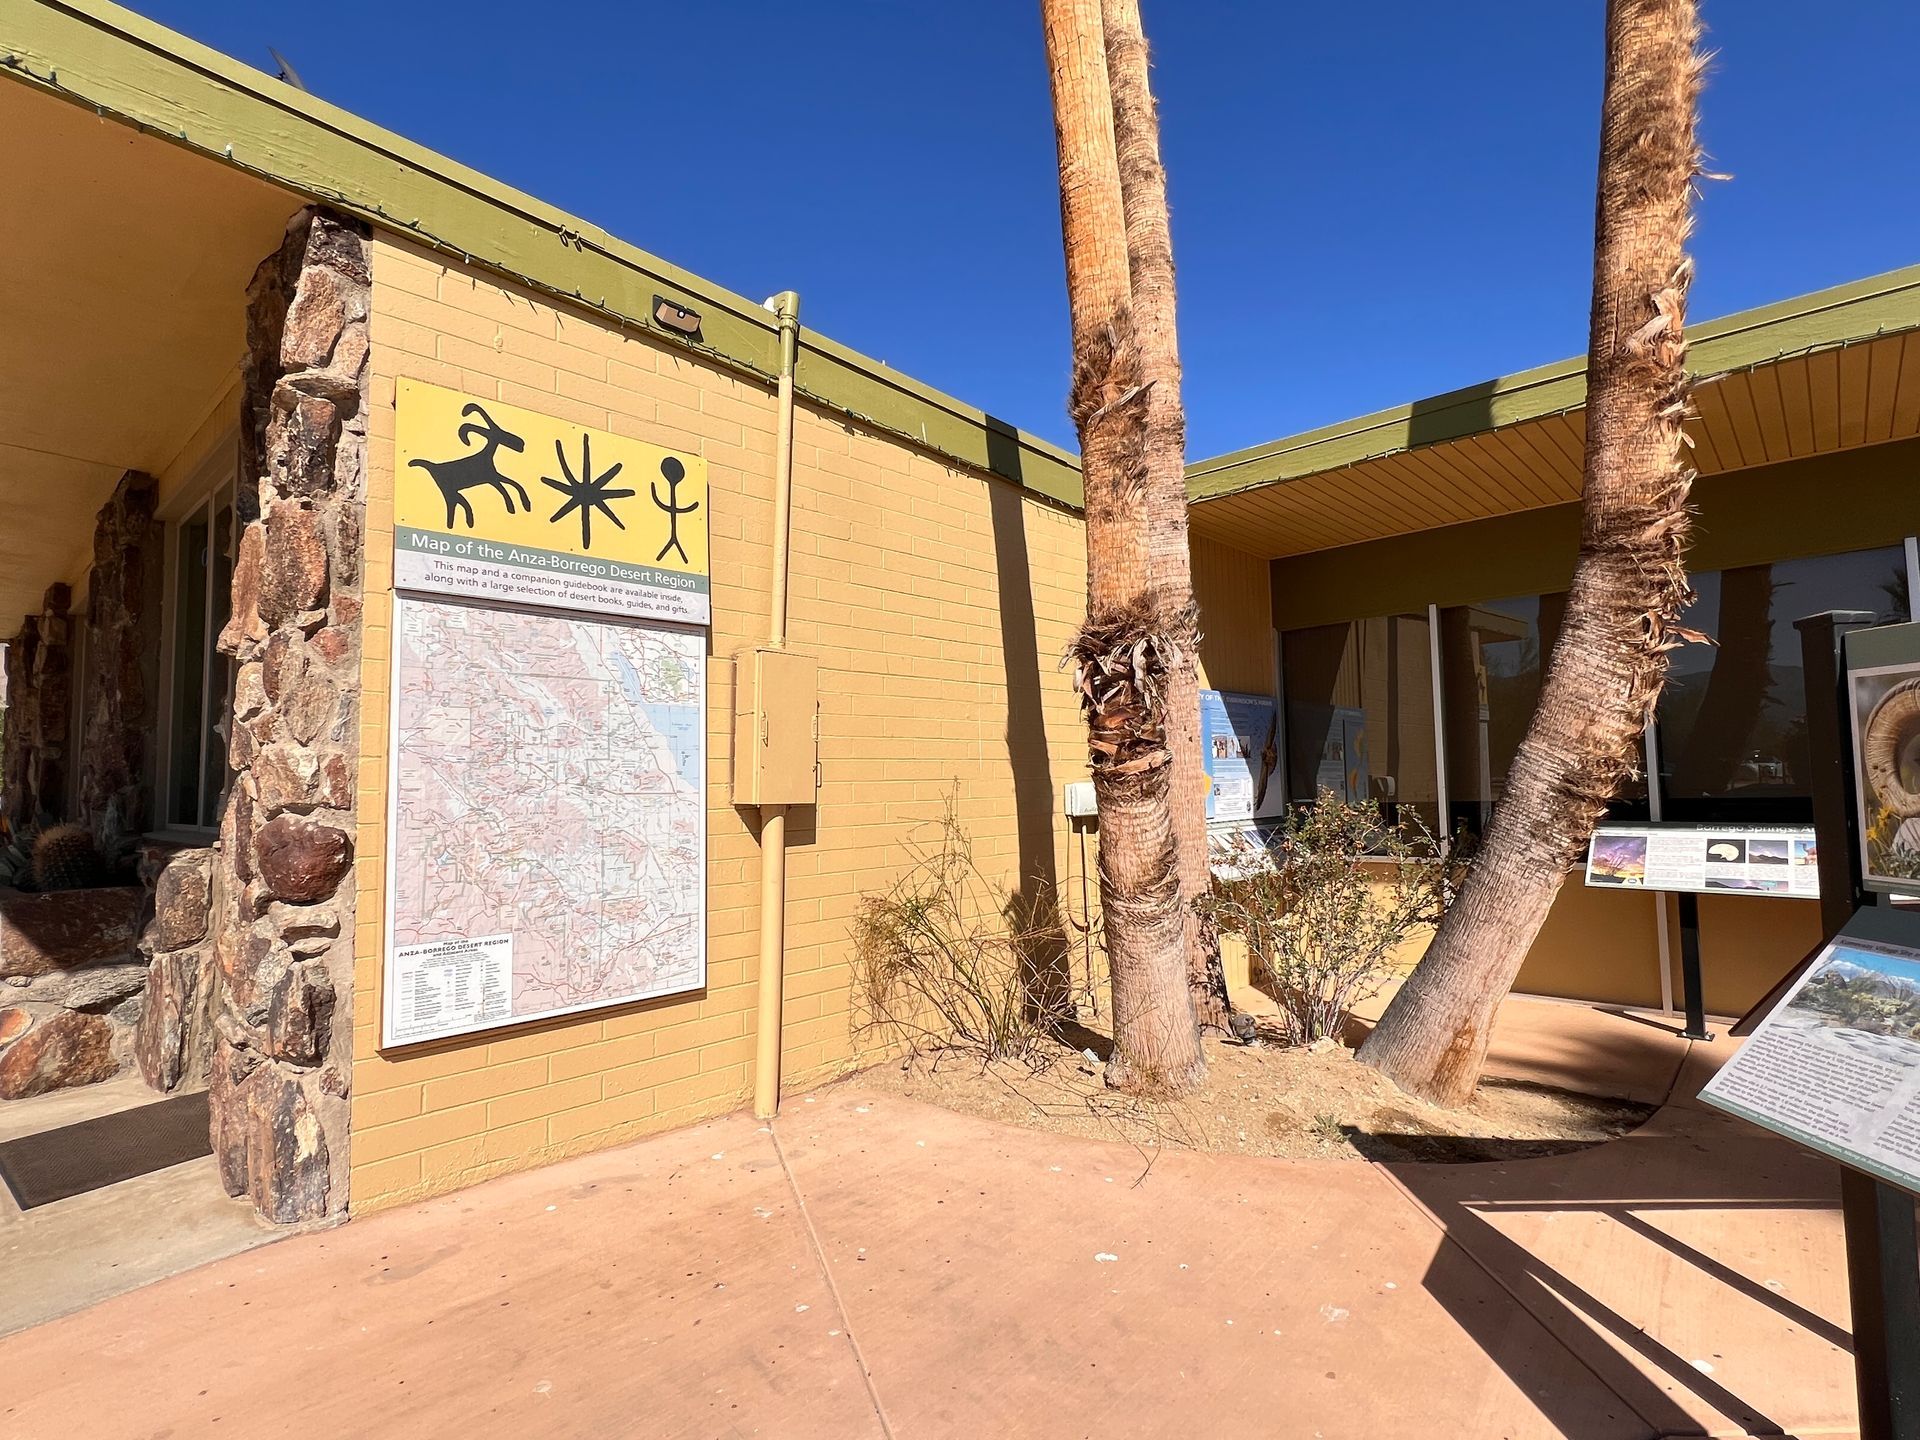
{"x": 477, "y": 468}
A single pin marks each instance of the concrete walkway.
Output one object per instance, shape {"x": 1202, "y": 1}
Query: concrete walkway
{"x": 62, "y": 1257}
{"x": 881, "y": 1268}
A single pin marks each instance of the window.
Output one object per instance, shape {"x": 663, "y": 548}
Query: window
{"x": 1493, "y": 658}
{"x": 1730, "y": 734}
{"x": 1360, "y": 714}
{"x": 1733, "y": 721}
{"x": 200, "y": 678}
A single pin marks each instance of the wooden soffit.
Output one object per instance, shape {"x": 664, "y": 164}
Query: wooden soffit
{"x": 1826, "y": 372}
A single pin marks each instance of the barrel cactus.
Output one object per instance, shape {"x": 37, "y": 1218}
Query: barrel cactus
{"x": 65, "y": 858}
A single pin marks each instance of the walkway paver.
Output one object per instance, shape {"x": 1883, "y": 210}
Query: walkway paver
{"x": 945, "y": 1276}
{"x": 56, "y": 1259}
{"x": 663, "y": 1289}
{"x": 1695, "y": 1265}
{"x": 1018, "y": 1284}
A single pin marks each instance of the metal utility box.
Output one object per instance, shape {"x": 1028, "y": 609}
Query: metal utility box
{"x": 776, "y": 728}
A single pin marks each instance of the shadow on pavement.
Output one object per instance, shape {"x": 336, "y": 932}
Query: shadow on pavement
{"x": 1691, "y": 1267}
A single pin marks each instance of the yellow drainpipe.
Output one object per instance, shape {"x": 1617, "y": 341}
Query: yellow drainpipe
{"x": 773, "y": 818}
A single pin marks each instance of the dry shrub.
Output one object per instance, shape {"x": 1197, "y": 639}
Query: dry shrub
{"x": 1323, "y": 911}
{"x": 945, "y": 959}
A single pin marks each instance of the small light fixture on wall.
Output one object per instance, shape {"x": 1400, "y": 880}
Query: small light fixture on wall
{"x": 676, "y": 317}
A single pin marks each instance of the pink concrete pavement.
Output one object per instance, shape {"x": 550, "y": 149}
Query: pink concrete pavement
{"x": 888, "y": 1269}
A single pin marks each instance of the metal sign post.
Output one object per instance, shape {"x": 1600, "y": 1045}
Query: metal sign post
{"x": 1691, "y": 985}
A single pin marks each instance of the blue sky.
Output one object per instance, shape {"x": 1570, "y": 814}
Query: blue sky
{"x": 1370, "y": 204}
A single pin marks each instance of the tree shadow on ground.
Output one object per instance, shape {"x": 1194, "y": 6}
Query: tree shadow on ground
{"x": 1384, "y": 1147}
{"x": 1630, "y": 1353}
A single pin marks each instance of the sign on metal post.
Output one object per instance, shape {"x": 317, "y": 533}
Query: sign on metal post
{"x": 1781, "y": 860}
{"x": 1695, "y": 860}
{"x": 1835, "y": 1065}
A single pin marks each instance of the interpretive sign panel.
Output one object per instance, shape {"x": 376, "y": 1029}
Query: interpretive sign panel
{"x": 1836, "y": 1064}
{"x": 492, "y": 502}
{"x": 1709, "y": 859}
{"x": 1883, "y": 697}
{"x": 546, "y": 827}
{"x": 1239, "y": 747}
{"x": 1240, "y": 848}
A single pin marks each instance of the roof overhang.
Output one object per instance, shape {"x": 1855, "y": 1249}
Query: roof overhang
{"x": 129, "y": 69}
{"x": 1827, "y": 371}
{"x": 124, "y": 297}
{"x": 1824, "y": 372}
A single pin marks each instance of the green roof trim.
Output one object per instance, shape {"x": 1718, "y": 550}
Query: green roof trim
{"x": 133, "y": 70}
{"x": 136, "y": 71}
{"x": 1859, "y": 310}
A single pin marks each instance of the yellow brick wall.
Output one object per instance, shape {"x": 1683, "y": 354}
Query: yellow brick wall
{"x": 937, "y": 601}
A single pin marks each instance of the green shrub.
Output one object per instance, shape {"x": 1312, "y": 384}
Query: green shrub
{"x": 1322, "y": 912}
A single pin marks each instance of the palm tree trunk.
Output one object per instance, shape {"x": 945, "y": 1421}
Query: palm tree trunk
{"x": 1629, "y": 586}
{"x": 1143, "y": 186}
{"x": 1121, "y": 658}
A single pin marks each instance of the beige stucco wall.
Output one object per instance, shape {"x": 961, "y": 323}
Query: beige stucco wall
{"x": 938, "y": 602}
{"x": 1233, "y": 590}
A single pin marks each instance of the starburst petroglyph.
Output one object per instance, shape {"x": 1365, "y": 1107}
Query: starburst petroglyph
{"x": 586, "y": 492}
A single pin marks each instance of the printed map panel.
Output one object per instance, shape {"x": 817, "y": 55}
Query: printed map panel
{"x": 548, "y": 831}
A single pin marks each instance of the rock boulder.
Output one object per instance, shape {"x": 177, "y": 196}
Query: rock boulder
{"x": 67, "y": 1048}
{"x": 67, "y": 929}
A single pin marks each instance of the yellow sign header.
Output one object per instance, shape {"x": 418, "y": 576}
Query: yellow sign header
{"x": 501, "y": 503}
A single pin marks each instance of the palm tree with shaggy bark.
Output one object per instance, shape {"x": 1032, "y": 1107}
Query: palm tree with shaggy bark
{"x": 1629, "y": 585}
{"x": 1127, "y": 654}
{"x": 1143, "y": 189}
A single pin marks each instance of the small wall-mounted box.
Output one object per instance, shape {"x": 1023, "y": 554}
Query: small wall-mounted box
{"x": 776, "y": 728}
{"x": 1079, "y": 802}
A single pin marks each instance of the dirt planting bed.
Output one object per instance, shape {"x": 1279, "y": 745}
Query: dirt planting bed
{"x": 1263, "y": 1099}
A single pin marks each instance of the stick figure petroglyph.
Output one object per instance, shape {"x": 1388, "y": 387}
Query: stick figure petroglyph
{"x": 674, "y": 472}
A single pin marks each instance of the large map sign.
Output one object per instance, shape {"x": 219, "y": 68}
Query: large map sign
{"x": 547, "y": 803}
{"x": 494, "y": 502}
{"x": 547, "y": 816}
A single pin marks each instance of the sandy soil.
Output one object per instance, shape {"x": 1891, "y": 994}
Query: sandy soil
{"x": 1260, "y": 1100}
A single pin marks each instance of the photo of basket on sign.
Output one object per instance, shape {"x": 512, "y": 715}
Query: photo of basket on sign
{"x": 1886, "y": 731}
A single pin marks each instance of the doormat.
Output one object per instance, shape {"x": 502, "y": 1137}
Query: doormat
{"x": 54, "y": 1164}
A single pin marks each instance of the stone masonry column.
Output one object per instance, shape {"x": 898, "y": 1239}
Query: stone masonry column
{"x": 39, "y": 710}
{"x": 122, "y": 686}
{"x": 283, "y": 943}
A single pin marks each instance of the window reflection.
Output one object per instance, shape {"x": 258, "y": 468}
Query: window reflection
{"x": 1732, "y": 721}
{"x": 217, "y": 699}
{"x": 1731, "y": 726}
{"x": 189, "y": 668}
{"x": 1360, "y": 714}
{"x": 202, "y": 677}
{"x": 1493, "y": 657}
